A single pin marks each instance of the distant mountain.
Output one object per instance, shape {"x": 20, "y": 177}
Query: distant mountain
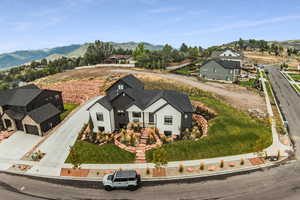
{"x": 286, "y": 44}
{"x": 21, "y": 57}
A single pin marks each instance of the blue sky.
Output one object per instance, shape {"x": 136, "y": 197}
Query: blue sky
{"x": 34, "y": 24}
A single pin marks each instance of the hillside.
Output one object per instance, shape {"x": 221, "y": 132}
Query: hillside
{"x": 21, "y": 57}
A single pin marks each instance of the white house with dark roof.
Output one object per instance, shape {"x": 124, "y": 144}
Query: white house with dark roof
{"x": 127, "y": 101}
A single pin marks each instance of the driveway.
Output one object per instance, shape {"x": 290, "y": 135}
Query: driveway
{"x": 16, "y": 146}
{"x": 58, "y": 144}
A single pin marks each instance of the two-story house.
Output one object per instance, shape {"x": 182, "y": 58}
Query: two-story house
{"x": 127, "y": 101}
{"x": 30, "y": 109}
{"x": 221, "y": 70}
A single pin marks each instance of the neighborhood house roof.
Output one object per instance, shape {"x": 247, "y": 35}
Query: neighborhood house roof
{"x": 44, "y": 113}
{"x": 132, "y": 81}
{"x": 219, "y": 52}
{"x": 19, "y": 96}
{"x": 228, "y": 64}
{"x": 15, "y": 115}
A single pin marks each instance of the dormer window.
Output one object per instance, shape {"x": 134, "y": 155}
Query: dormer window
{"x": 121, "y": 87}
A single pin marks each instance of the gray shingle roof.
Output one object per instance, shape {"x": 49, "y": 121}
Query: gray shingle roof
{"x": 228, "y": 64}
{"x": 130, "y": 80}
{"x": 19, "y": 96}
{"x": 44, "y": 113}
{"x": 15, "y": 115}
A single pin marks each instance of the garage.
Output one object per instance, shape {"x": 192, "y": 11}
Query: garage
{"x": 30, "y": 129}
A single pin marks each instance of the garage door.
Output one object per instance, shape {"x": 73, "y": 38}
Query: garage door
{"x": 30, "y": 129}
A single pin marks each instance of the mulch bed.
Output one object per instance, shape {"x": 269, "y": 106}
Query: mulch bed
{"x": 74, "y": 172}
{"x": 256, "y": 161}
{"x": 159, "y": 172}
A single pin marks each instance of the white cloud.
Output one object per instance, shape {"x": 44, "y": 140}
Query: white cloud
{"x": 244, "y": 24}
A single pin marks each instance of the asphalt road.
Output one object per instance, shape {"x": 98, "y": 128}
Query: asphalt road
{"x": 281, "y": 182}
{"x": 289, "y": 101}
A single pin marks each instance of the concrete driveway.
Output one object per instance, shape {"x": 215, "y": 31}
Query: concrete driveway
{"x": 58, "y": 144}
{"x": 16, "y": 146}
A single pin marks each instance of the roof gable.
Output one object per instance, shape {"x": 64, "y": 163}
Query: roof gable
{"x": 131, "y": 81}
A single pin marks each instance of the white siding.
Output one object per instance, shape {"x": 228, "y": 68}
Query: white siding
{"x": 229, "y": 53}
{"x": 159, "y": 103}
{"x": 108, "y": 118}
{"x": 133, "y": 109}
{"x": 168, "y": 110}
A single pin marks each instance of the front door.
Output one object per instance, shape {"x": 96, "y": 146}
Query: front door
{"x": 19, "y": 125}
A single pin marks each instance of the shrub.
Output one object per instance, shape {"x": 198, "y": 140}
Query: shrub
{"x": 181, "y": 168}
{"x": 242, "y": 161}
{"x": 147, "y": 171}
{"x": 222, "y": 164}
{"x": 202, "y": 166}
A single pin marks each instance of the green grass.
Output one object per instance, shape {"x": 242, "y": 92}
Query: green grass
{"x": 249, "y": 83}
{"x": 232, "y": 132}
{"x": 68, "y": 109}
{"x": 297, "y": 87}
{"x": 184, "y": 71}
{"x": 296, "y": 77}
{"x": 105, "y": 154}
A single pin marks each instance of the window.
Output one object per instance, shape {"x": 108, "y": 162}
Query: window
{"x": 215, "y": 70}
{"x": 231, "y": 71}
{"x": 185, "y": 116}
{"x": 168, "y": 120}
{"x": 151, "y": 117}
{"x": 101, "y": 128}
{"x": 99, "y": 116}
{"x": 136, "y": 115}
{"x": 121, "y": 87}
{"x": 168, "y": 133}
{"x": 121, "y": 113}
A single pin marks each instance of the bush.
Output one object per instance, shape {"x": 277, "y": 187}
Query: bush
{"x": 242, "y": 162}
{"x": 181, "y": 168}
{"x": 202, "y": 166}
{"x": 222, "y": 164}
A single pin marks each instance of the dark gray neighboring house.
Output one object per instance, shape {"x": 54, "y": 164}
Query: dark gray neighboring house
{"x": 222, "y": 70}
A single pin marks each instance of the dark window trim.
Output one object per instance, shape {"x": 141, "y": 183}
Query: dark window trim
{"x": 168, "y": 120}
{"x": 99, "y": 116}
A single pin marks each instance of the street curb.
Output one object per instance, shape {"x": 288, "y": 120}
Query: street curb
{"x": 97, "y": 182}
{"x": 290, "y": 83}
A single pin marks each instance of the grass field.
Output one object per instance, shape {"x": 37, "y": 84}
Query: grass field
{"x": 68, "y": 109}
{"x": 105, "y": 154}
{"x": 232, "y": 132}
{"x": 296, "y": 77}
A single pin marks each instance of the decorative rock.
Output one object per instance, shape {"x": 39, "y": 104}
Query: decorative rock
{"x": 212, "y": 168}
{"x": 190, "y": 169}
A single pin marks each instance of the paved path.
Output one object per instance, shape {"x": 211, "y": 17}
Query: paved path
{"x": 178, "y": 66}
{"x": 17, "y": 144}
{"x": 281, "y": 183}
{"x": 289, "y": 102}
{"x": 58, "y": 144}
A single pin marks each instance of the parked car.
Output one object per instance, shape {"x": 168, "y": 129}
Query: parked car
{"x": 272, "y": 158}
{"x": 122, "y": 179}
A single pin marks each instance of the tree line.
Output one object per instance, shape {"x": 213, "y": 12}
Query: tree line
{"x": 96, "y": 53}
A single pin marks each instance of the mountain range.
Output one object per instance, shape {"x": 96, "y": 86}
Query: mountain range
{"x": 16, "y": 58}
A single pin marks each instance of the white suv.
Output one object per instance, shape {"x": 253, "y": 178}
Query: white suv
{"x": 122, "y": 179}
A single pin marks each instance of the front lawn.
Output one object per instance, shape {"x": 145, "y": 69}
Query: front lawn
{"x": 68, "y": 108}
{"x": 232, "y": 132}
{"x": 296, "y": 77}
{"x": 105, "y": 154}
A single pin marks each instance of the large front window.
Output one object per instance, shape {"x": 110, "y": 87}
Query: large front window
{"x": 168, "y": 120}
{"x": 136, "y": 115}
